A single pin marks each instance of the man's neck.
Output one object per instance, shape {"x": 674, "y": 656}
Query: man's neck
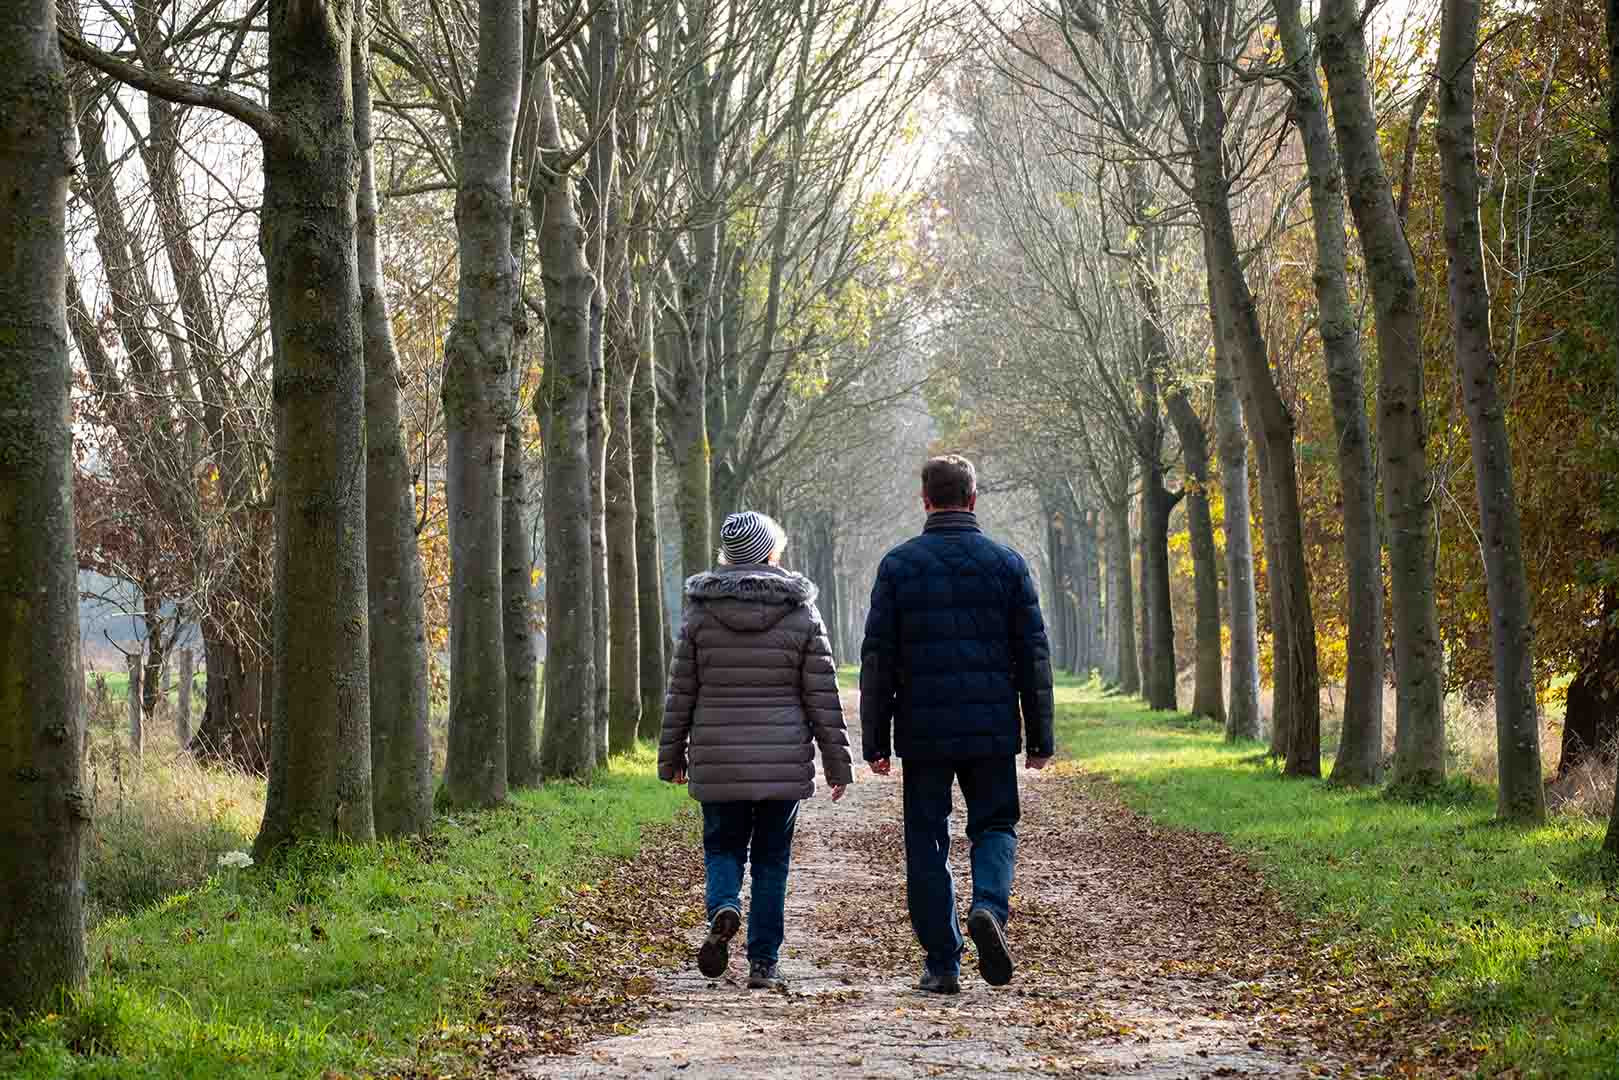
{"x": 958, "y": 518}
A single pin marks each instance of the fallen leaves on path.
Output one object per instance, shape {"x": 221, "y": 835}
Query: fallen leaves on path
{"x": 1142, "y": 951}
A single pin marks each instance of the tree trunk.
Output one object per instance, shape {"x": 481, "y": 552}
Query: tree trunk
{"x": 517, "y": 560}
{"x": 1521, "y": 790}
{"x": 568, "y": 736}
{"x": 648, "y": 545}
{"x": 1591, "y": 722}
{"x": 1243, "y": 720}
{"x": 1056, "y": 580}
{"x": 235, "y": 708}
{"x": 401, "y": 752}
{"x": 320, "y": 731}
{"x": 1208, "y": 698}
{"x": 134, "y": 702}
{"x": 182, "y": 713}
{"x": 1360, "y": 752}
{"x": 1402, "y": 434}
{"x": 1122, "y": 593}
{"x": 624, "y": 614}
{"x": 477, "y": 370}
{"x": 43, "y": 807}
{"x": 1611, "y": 631}
{"x": 1299, "y": 679}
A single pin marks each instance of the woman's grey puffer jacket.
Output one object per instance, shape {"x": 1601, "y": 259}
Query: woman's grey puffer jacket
{"x": 753, "y": 689}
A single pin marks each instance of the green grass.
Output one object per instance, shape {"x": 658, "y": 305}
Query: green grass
{"x": 1514, "y": 929}
{"x": 849, "y": 677}
{"x": 233, "y": 978}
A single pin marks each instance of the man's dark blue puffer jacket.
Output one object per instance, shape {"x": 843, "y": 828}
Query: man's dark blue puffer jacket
{"x": 954, "y": 646}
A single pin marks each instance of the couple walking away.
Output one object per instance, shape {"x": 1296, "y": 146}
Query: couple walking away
{"x": 955, "y": 678}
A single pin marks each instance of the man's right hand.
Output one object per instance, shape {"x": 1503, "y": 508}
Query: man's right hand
{"x": 881, "y": 766}
{"x": 1030, "y": 761}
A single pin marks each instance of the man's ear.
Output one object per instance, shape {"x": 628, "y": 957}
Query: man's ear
{"x": 926, "y": 504}
{"x": 972, "y": 501}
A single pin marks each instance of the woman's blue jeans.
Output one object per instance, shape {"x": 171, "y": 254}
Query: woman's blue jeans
{"x": 731, "y": 832}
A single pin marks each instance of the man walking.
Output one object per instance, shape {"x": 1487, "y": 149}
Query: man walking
{"x": 955, "y": 649}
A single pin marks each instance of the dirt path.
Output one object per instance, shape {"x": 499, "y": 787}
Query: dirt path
{"x": 1135, "y": 959}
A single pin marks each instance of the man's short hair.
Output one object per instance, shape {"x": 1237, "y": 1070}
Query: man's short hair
{"x": 949, "y": 481}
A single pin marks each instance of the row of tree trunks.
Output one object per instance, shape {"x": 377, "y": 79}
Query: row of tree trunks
{"x": 1419, "y": 750}
{"x": 1360, "y": 752}
{"x": 1521, "y": 791}
{"x": 43, "y": 807}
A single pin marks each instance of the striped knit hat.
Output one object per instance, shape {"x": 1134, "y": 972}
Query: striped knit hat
{"x": 749, "y": 537}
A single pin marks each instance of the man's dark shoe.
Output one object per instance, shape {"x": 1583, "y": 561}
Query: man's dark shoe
{"x": 934, "y": 983}
{"x": 994, "y": 958}
{"x": 763, "y": 975}
{"x": 715, "y": 953}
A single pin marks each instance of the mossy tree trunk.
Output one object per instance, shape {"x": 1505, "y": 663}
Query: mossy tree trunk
{"x": 320, "y": 732}
{"x": 43, "y": 808}
{"x": 1208, "y": 697}
{"x": 648, "y": 544}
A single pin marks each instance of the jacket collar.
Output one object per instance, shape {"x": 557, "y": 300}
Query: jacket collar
{"x": 755, "y": 582}
{"x": 952, "y": 521}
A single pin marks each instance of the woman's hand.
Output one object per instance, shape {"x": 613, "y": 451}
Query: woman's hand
{"x": 838, "y": 790}
{"x": 679, "y": 777}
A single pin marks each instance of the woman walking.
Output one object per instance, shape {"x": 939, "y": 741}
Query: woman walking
{"x": 752, "y": 692}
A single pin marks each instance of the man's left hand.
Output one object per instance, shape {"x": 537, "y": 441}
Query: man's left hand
{"x": 1036, "y": 763}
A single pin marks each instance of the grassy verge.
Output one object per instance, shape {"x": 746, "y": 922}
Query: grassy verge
{"x": 337, "y": 958}
{"x": 1512, "y": 929}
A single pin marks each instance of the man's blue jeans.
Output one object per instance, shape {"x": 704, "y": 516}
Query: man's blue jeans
{"x": 730, "y": 830}
{"x": 989, "y": 786}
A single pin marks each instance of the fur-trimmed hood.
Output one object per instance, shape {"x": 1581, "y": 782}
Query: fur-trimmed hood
{"x": 750, "y": 597}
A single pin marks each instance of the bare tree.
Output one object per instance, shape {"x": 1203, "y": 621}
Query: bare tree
{"x": 43, "y": 808}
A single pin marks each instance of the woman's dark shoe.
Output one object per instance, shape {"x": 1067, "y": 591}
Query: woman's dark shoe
{"x": 762, "y": 975}
{"x": 715, "y": 953}
{"x": 934, "y": 983}
{"x": 994, "y": 958}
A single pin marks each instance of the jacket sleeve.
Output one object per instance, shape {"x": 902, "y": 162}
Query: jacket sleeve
{"x": 679, "y": 702}
{"x": 818, "y": 678}
{"x": 1031, "y": 657}
{"x": 879, "y": 669}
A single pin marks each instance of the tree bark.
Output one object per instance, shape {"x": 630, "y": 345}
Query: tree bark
{"x": 1591, "y": 722}
{"x": 1208, "y": 698}
{"x": 320, "y": 732}
{"x": 477, "y": 362}
{"x": 182, "y": 713}
{"x": 1521, "y": 787}
{"x": 1299, "y": 680}
{"x": 401, "y": 751}
{"x": 235, "y": 707}
{"x": 1122, "y": 593}
{"x": 1243, "y": 719}
{"x": 624, "y": 613}
{"x": 135, "y": 704}
{"x": 43, "y": 807}
{"x": 648, "y": 545}
{"x": 1419, "y": 753}
{"x": 1360, "y": 752}
{"x": 1610, "y": 843}
{"x": 517, "y": 567}
{"x": 568, "y": 738}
